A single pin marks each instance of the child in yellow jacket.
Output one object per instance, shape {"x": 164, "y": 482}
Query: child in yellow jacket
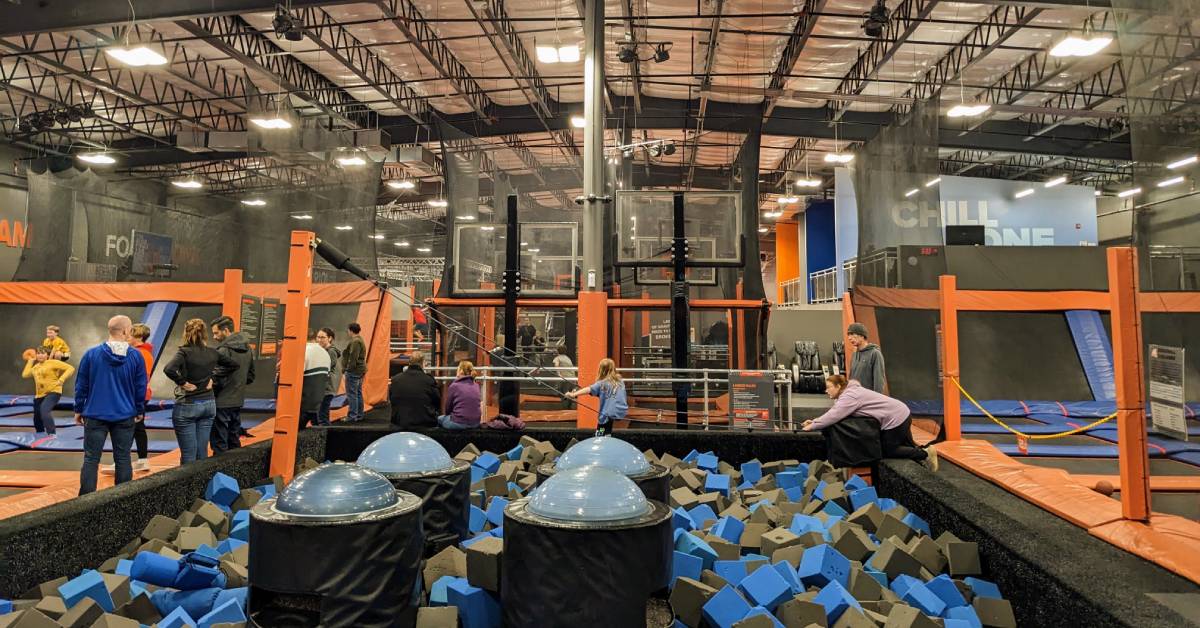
{"x": 55, "y": 344}
{"x": 48, "y": 377}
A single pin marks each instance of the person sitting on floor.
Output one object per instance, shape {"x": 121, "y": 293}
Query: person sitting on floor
{"x": 414, "y": 395}
{"x": 851, "y": 399}
{"x": 462, "y": 400}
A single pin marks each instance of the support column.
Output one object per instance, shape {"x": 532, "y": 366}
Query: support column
{"x": 787, "y": 256}
{"x": 593, "y": 145}
{"x": 1127, "y": 370}
{"x": 231, "y": 301}
{"x": 951, "y": 412}
{"x": 593, "y": 347}
{"x": 291, "y": 355}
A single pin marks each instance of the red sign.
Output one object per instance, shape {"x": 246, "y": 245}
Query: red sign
{"x": 1023, "y": 445}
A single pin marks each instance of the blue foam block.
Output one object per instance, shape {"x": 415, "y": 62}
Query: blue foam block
{"x": 903, "y": 583}
{"x": 943, "y": 587}
{"x": 730, "y": 570}
{"x": 690, "y": 544}
{"x": 785, "y": 570}
{"x": 477, "y": 474}
{"x": 862, "y": 497}
{"x": 177, "y": 618}
{"x": 821, "y": 565}
{"x": 681, "y": 520}
{"x": 211, "y": 552}
{"x": 123, "y": 567}
{"x": 886, "y": 503}
{"x": 759, "y": 610}
{"x": 495, "y": 511}
{"x": 964, "y": 614}
{"x": 794, "y": 493}
{"x": 717, "y": 482}
{"x": 765, "y": 587}
{"x": 805, "y": 523}
{"x": 155, "y": 569}
{"x": 702, "y": 513}
{"x": 835, "y": 599}
{"x": 473, "y": 540}
{"x": 228, "y": 545}
{"x": 725, "y": 608}
{"x": 266, "y": 490}
{"x": 691, "y": 456}
{"x": 476, "y": 520}
{"x": 88, "y": 584}
{"x": 855, "y": 483}
{"x": 222, "y": 489}
{"x": 193, "y": 576}
{"x": 729, "y": 529}
{"x": 685, "y": 566}
{"x": 437, "y": 592}
{"x": 819, "y": 492}
{"x": 195, "y": 603}
{"x": 707, "y": 461}
{"x": 513, "y": 486}
{"x": 476, "y": 607}
{"x": 241, "y": 516}
{"x": 833, "y": 510}
{"x": 515, "y": 452}
{"x": 240, "y": 595}
{"x": 789, "y": 479}
{"x": 751, "y": 471}
{"x": 983, "y": 588}
{"x": 487, "y": 461}
{"x": 241, "y": 531}
{"x": 916, "y": 523}
{"x": 924, "y": 600}
{"x": 228, "y": 613}
{"x": 5, "y": 606}
{"x": 879, "y": 576}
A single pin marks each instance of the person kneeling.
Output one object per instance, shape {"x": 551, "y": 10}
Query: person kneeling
{"x": 852, "y": 400}
{"x": 462, "y": 401}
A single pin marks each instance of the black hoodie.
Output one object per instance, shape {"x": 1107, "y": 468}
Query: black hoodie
{"x": 230, "y": 382}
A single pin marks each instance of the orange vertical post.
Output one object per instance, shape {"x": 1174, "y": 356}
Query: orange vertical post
{"x": 739, "y": 317}
{"x": 231, "y": 300}
{"x": 847, "y": 318}
{"x": 291, "y": 354}
{"x": 410, "y": 302}
{"x": 593, "y": 347}
{"x": 951, "y": 412}
{"x": 1127, "y": 370}
{"x": 787, "y": 256}
{"x": 375, "y": 318}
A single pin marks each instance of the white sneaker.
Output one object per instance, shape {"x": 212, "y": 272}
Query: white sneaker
{"x": 931, "y": 459}
{"x": 141, "y": 464}
{"x": 108, "y": 469}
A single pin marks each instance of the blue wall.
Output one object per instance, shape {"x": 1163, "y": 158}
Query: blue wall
{"x": 820, "y": 245}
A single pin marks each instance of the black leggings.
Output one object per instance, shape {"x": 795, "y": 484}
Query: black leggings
{"x": 139, "y": 437}
{"x": 898, "y": 443}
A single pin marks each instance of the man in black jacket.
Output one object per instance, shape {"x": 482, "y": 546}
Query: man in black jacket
{"x": 416, "y": 399}
{"x": 230, "y": 384}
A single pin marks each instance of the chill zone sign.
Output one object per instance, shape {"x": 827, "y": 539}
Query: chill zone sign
{"x": 913, "y": 215}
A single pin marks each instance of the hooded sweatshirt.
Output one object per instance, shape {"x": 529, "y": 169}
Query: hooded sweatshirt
{"x": 230, "y": 383}
{"x": 858, "y": 401}
{"x": 110, "y": 384}
{"x": 462, "y": 402}
{"x": 867, "y": 368}
{"x": 147, "y": 351}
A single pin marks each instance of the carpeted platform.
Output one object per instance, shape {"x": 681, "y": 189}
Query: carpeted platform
{"x": 1054, "y": 573}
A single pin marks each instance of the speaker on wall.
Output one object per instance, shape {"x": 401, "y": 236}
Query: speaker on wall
{"x": 964, "y": 235}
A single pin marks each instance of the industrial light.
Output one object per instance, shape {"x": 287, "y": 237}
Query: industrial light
{"x": 911, "y": 192}
{"x": 274, "y": 123}
{"x": 424, "y": 249}
{"x": 488, "y": 227}
{"x": 933, "y": 182}
{"x": 763, "y": 230}
{"x": 838, "y": 158}
{"x": 1056, "y": 181}
{"x": 466, "y": 218}
{"x": 1169, "y": 182}
{"x": 558, "y": 54}
{"x": 437, "y": 202}
{"x": 788, "y": 200}
{"x": 808, "y": 183}
{"x": 136, "y": 57}
{"x": 876, "y": 20}
{"x": 1098, "y": 193}
{"x": 627, "y": 52}
{"x": 661, "y": 53}
{"x": 669, "y": 148}
{"x": 1129, "y": 192}
{"x": 254, "y": 202}
{"x": 377, "y": 236}
{"x": 97, "y": 158}
{"x": 568, "y": 54}
{"x": 964, "y": 110}
{"x": 1186, "y": 161}
{"x": 401, "y": 185}
{"x": 343, "y": 227}
{"x": 1024, "y": 193}
{"x": 534, "y": 250}
{"x": 302, "y": 216}
{"x": 188, "y": 184}
{"x": 524, "y": 244}
{"x": 1074, "y": 46}
{"x": 286, "y": 25}
{"x": 578, "y": 122}
{"x": 352, "y": 160}
{"x": 402, "y": 243}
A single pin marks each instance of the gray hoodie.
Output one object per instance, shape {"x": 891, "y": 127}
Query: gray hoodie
{"x": 867, "y": 368}
{"x": 230, "y": 383}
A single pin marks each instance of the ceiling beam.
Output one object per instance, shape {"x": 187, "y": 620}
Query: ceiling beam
{"x": 797, "y": 41}
{"x": 710, "y": 56}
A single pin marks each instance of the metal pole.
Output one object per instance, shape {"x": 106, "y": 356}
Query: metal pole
{"x": 510, "y": 392}
{"x": 680, "y": 315}
{"x": 593, "y": 145}
{"x": 706, "y": 412}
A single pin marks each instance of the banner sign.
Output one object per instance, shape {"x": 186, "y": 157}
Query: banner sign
{"x": 151, "y": 252}
{"x": 269, "y": 336}
{"x": 752, "y": 398}
{"x": 251, "y": 321}
{"x": 1166, "y": 391}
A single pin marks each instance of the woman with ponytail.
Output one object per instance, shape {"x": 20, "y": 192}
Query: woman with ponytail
{"x": 195, "y": 405}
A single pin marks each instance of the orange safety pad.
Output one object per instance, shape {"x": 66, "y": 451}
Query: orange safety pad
{"x": 66, "y": 293}
{"x": 985, "y": 300}
{"x": 1169, "y": 301}
{"x": 35, "y": 479}
{"x": 1051, "y": 489}
{"x": 1164, "y": 483}
{"x": 1171, "y": 542}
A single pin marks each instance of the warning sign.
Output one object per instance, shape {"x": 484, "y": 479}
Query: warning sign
{"x": 1166, "y": 391}
{"x": 251, "y": 319}
{"x": 752, "y": 397}
{"x": 270, "y": 328}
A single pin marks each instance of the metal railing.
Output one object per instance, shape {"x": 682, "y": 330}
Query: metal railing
{"x": 793, "y": 292}
{"x": 1174, "y": 267}
{"x": 709, "y": 381}
{"x": 823, "y": 285}
{"x": 880, "y": 268}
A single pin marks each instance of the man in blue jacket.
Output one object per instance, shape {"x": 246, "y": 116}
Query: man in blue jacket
{"x": 110, "y": 389}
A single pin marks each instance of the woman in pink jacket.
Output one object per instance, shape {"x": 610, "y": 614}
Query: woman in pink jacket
{"x": 851, "y": 399}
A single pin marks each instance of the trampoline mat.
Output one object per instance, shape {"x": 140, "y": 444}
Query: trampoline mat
{"x": 1073, "y": 441}
{"x": 1110, "y": 466}
{"x": 6, "y": 491}
{"x": 982, "y": 420}
{"x": 46, "y": 460}
{"x": 1173, "y": 503}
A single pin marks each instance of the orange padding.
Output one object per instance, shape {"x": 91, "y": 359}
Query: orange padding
{"x": 1169, "y": 541}
{"x": 65, "y": 293}
{"x": 1022, "y": 300}
{"x": 1163, "y": 483}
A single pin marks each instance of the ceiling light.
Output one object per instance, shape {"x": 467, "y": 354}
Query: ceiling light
{"x": 787, "y": 200}
{"x": 377, "y": 236}
{"x": 662, "y": 53}
{"x": 627, "y": 153}
{"x": 547, "y": 54}
{"x": 467, "y": 218}
{"x": 401, "y": 185}
{"x": 838, "y": 158}
{"x": 254, "y": 202}
{"x": 808, "y": 183}
{"x": 302, "y": 216}
{"x": 353, "y": 160}
{"x": 1186, "y": 161}
{"x": 568, "y": 54}
{"x": 136, "y": 57}
{"x": 424, "y": 249}
{"x": 402, "y": 243}
{"x": 1129, "y": 192}
{"x": 1170, "y": 182}
{"x": 763, "y": 230}
{"x": 534, "y": 250}
{"x": 627, "y": 52}
{"x": 655, "y": 150}
{"x": 97, "y": 158}
{"x": 437, "y": 202}
{"x": 877, "y": 19}
{"x": 187, "y": 184}
{"x": 1098, "y": 193}
{"x": 488, "y": 227}
{"x": 1055, "y": 182}
{"x": 524, "y": 244}
{"x": 964, "y": 110}
{"x": 343, "y": 227}
{"x": 933, "y": 182}
{"x": 578, "y": 122}
{"x": 1080, "y": 46}
{"x": 1024, "y": 193}
{"x": 274, "y": 122}
{"x": 286, "y": 25}
{"x": 911, "y": 192}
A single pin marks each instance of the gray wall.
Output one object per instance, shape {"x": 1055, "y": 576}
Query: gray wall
{"x": 787, "y": 326}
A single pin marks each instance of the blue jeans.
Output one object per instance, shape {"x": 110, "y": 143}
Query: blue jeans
{"x": 354, "y": 396}
{"x": 448, "y": 423}
{"x": 193, "y": 422}
{"x": 323, "y": 411}
{"x": 226, "y": 429}
{"x": 95, "y": 432}
{"x": 43, "y": 417}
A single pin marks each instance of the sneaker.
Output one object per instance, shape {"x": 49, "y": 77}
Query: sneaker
{"x": 931, "y": 458}
{"x": 141, "y": 464}
{"x": 108, "y": 469}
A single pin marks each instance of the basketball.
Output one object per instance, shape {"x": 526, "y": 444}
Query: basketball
{"x": 29, "y": 354}
{"x": 1104, "y": 487}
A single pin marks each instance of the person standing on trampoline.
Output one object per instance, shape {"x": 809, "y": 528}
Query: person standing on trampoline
{"x": 867, "y": 367}
{"x": 55, "y": 344}
{"x": 852, "y": 400}
{"x": 354, "y": 368}
{"x": 110, "y": 389}
{"x": 195, "y": 409}
{"x": 325, "y": 338}
{"x": 48, "y": 376}
{"x": 229, "y": 385}
{"x": 611, "y": 391}
{"x": 139, "y": 335}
